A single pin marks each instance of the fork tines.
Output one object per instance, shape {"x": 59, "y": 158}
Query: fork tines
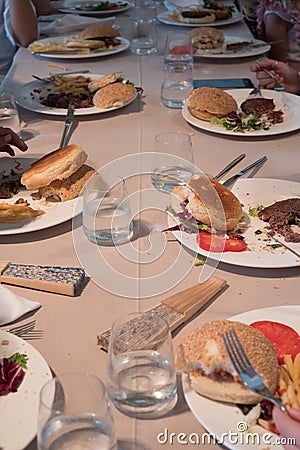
{"x": 235, "y": 351}
{"x": 25, "y": 328}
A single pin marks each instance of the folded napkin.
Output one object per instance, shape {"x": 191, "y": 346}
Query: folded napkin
{"x": 70, "y": 23}
{"x": 12, "y": 306}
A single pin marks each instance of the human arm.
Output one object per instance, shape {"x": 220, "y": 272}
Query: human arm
{"x": 7, "y": 138}
{"x": 288, "y": 425}
{"x": 276, "y": 29}
{"x": 23, "y": 21}
{"x": 43, "y": 7}
{"x": 285, "y": 74}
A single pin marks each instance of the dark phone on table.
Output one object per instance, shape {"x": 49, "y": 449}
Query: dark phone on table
{"x": 227, "y": 83}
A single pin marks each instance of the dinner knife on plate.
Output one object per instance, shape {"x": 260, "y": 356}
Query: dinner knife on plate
{"x": 68, "y": 122}
{"x": 230, "y": 181}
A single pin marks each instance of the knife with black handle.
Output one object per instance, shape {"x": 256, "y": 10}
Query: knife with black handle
{"x": 230, "y": 181}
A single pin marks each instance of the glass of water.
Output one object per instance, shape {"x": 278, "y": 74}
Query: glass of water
{"x": 74, "y": 412}
{"x": 173, "y": 160}
{"x": 106, "y": 210}
{"x": 9, "y": 116}
{"x": 178, "y": 48}
{"x": 141, "y": 371}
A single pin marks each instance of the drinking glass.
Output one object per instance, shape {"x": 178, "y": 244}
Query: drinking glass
{"x": 74, "y": 412}
{"x": 9, "y": 116}
{"x": 173, "y": 161}
{"x": 106, "y": 210}
{"x": 144, "y": 39}
{"x": 141, "y": 371}
{"x": 178, "y": 48}
{"x": 176, "y": 85}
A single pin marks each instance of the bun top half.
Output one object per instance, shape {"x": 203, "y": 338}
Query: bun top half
{"x": 204, "y": 348}
{"x": 57, "y": 165}
{"x": 206, "y": 37}
{"x": 99, "y": 31}
{"x": 206, "y": 197}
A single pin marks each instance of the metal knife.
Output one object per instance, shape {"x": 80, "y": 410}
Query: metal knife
{"x": 229, "y": 166}
{"x": 243, "y": 47}
{"x": 69, "y": 119}
{"x": 230, "y": 181}
{"x": 280, "y": 242}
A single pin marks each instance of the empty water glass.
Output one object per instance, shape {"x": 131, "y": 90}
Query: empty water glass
{"x": 106, "y": 210}
{"x": 9, "y": 116}
{"x": 173, "y": 160}
{"x": 144, "y": 39}
{"x": 176, "y": 85}
{"x": 141, "y": 371}
{"x": 178, "y": 48}
{"x": 75, "y": 413}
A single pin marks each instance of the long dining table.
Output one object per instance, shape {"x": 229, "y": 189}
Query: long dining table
{"x": 71, "y": 324}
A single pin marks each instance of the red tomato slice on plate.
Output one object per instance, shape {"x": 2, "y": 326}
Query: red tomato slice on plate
{"x": 285, "y": 339}
{"x": 179, "y": 49}
{"x": 219, "y": 243}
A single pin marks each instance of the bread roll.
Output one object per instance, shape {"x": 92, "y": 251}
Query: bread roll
{"x": 203, "y": 356}
{"x": 56, "y": 165}
{"x": 206, "y": 103}
{"x": 99, "y": 31}
{"x": 105, "y": 80}
{"x": 114, "y": 95}
{"x": 68, "y": 188}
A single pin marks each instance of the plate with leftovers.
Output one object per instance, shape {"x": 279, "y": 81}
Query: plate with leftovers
{"x": 55, "y": 97}
{"x": 174, "y": 18}
{"x": 36, "y": 214}
{"x": 59, "y": 47}
{"x": 234, "y": 47}
{"x": 251, "y": 124}
{"x": 20, "y": 408}
{"x": 261, "y": 251}
{"x": 234, "y": 430}
{"x": 93, "y": 8}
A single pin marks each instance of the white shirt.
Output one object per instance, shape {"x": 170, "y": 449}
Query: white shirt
{"x": 7, "y": 42}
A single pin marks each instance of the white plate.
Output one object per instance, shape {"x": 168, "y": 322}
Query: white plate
{"x": 70, "y": 7}
{"x": 55, "y": 212}
{"x": 219, "y": 418}
{"x": 60, "y": 39}
{"x": 164, "y": 17}
{"x": 288, "y": 103}
{"x": 242, "y": 53}
{"x": 28, "y": 99}
{"x": 19, "y": 410}
{"x": 252, "y": 192}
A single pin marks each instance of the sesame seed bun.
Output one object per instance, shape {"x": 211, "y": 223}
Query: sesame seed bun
{"x": 203, "y": 356}
{"x": 205, "y": 103}
{"x": 105, "y": 80}
{"x": 99, "y": 31}
{"x": 57, "y": 165}
{"x": 204, "y": 196}
{"x": 114, "y": 95}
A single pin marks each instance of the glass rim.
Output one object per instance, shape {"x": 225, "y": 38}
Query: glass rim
{"x": 161, "y": 137}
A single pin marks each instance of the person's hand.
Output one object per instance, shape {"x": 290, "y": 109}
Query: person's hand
{"x": 288, "y": 426}
{"x": 285, "y": 74}
{"x": 7, "y": 138}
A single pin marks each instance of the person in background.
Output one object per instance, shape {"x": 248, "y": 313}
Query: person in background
{"x": 248, "y": 8}
{"x": 7, "y": 138}
{"x": 275, "y": 22}
{"x": 288, "y": 426}
{"x": 18, "y": 27}
{"x": 285, "y": 74}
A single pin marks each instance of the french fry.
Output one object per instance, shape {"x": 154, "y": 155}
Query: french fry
{"x": 289, "y": 381}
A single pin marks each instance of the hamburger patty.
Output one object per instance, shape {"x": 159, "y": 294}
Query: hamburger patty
{"x": 281, "y": 216}
{"x": 195, "y": 14}
{"x": 63, "y": 100}
{"x": 259, "y": 105}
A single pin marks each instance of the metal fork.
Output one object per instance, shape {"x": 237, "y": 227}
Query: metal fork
{"x": 277, "y": 86}
{"x": 26, "y": 331}
{"x": 245, "y": 370}
{"x": 68, "y": 122}
{"x": 49, "y": 79}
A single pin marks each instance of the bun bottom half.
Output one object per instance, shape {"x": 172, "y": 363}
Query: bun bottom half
{"x": 223, "y": 391}
{"x": 69, "y": 188}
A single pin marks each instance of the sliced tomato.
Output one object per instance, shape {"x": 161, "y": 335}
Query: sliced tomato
{"x": 218, "y": 243}
{"x": 284, "y": 339}
{"x": 180, "y": 49}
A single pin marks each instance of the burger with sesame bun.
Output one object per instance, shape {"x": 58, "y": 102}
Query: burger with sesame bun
{"x": 206, "y": 103}
{"x": 202, "y": 355}
{"x": 105, "y": 33}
